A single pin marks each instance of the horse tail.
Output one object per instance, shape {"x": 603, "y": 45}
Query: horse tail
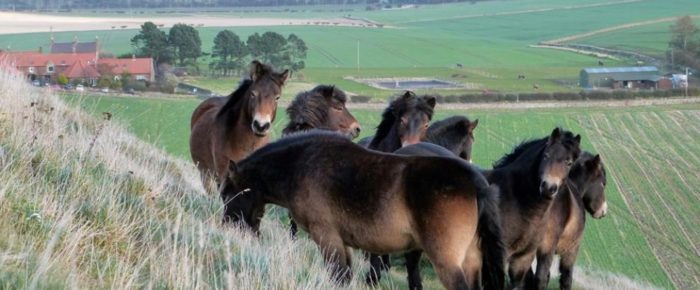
{"x": 493, "y": 251}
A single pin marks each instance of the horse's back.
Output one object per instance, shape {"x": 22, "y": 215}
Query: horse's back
{"x": 208, "y": 106}
{"x": 425, "y": 149}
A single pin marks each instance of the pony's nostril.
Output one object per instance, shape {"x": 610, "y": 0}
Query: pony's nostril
{"x": 265, "y": 127}
{"x": 358, "y": 129}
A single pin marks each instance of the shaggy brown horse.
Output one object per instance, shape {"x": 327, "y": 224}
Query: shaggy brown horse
{"x": 320, "y": 108}
{"x": 529, "y": 179}
{"x": 230, "y": 128}
{"x": 455, "y": 134}
{"x": 584, "y": 191}
{"x": 323, "y": 107}
{"x": 346, "y": 196}
{"x": 404, "y": 122}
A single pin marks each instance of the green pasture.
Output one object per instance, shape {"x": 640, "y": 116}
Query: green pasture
{"x": 650, "y": 230}
{"x": 490, "y": 39}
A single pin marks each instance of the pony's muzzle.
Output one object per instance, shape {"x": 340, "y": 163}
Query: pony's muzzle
{"x": 355, "y": 130}
{"x": 260, "y": 127}
{"x": 600, "y": 213}
{"x": 548, "y": 189}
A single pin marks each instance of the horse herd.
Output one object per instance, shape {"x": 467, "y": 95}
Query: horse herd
{"x": 410, "y": 188}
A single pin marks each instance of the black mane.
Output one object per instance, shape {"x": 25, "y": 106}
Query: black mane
{"x": 235, "y": 99}
{"x": 539, "y": 144}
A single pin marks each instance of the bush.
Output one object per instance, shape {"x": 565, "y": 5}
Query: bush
{"x": 62, "y": 80}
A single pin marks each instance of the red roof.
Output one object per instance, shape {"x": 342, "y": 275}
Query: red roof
{"x": 81, "y": 70}
{"x": 36, "y": 59}
{"x": 135, "y": 66}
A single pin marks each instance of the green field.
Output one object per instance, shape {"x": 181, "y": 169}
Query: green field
{"x": 649, "y": 152}
{"x": 491, "y": 39}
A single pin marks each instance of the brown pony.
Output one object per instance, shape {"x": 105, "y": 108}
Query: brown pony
{"x": 320, "y": 108}
{"x": 323, "y": 107}
{"x": 584, "y": 191}
{"x": 404, "y": 122}
{"x": 230, "y": 128}
{"x": 529, "y": 179}
{"x": 347, "y": 196}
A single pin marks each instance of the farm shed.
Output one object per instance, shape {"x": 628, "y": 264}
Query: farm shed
{"x": 642, "y": 77}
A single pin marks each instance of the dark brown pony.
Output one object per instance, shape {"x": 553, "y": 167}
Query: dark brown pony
{"x": 230, "y": 128}
{"x": 455, "y": 134}
{"x": 323, "y": 107}
{"x": 584, "y": 191}
{"x": 529, "y": 179}
{"x": 404, "y": 122}
{"x": 346, "y": 196}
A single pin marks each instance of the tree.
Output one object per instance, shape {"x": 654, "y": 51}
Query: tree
{"x": 152, "y": 42}
{"x": 185, "y": 42}
{"x": 62, "y": 79}
{"x": 270, "y": 47}
{"x": 683, "y": 33}
{"x": 230, "y": 52}
{"x": 297, "y": 52}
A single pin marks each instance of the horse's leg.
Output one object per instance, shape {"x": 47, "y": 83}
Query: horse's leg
{"x": 293, "y": 229}
{"x": 335, "y": 254}
{"x": 518, "y": 268}
{"x": 375, "y": 269}
{"x": 413, "y": 270}
{"x": 448, "y": 268}
{"x": 472, "y": 265}
{"x": 566, "y": 268}
{"x": 544, "y": 263}
{"x": 386, "y": 262}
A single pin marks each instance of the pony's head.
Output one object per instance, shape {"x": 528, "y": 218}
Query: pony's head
{"x": 264, "y": 91}
{"x": 242, "y": 206}
{"x": 412, "y": 115}
{"x": 593, "y": 189}
{"x": 560, "y": 152}
{"x": 455, "y": 133}
{"x": 322, "y": 108}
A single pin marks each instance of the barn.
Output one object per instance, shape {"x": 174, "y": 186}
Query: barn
{"x": 637, "y": 77}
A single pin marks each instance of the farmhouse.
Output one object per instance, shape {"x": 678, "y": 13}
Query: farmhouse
{"x": 86, "y": 67}
{"x": 643, "y": 77}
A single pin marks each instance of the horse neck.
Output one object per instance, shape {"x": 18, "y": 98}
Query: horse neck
{"x": 390, "y": 143}
{"x": 455, "y": 146}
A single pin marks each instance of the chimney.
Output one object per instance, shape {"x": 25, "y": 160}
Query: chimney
{"x": 75, "y": 43}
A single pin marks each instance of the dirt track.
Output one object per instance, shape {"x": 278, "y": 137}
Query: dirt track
{"x": 548, "y": 104}
{"x": 13, "y": 23}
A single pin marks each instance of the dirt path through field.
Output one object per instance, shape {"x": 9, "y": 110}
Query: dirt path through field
{"x": 610, "y": 29}
{"x": 546, "y": 104}
{"x": 13, "y": 23}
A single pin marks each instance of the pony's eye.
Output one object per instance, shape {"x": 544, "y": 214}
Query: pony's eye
{"x": 277, "y": 98}
{"x": 546, "y": 156}
{"x": 569, "y": 162}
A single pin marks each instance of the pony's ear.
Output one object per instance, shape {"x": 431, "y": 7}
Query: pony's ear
{"x": 407, "y": 95}
{"x": 577, "y": 139}
{"x": 284, "y": 76}
{"x": 555, "y": 136}
{"x": 431, "y": 101}
{"x": 328, "y": 92}
{"x": 594, "y": 163}
{"x": 257, "y": 70}
{"x": 473, "y": 125}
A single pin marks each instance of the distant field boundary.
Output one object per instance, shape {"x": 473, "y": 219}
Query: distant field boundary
{"x": 548, "y": 104}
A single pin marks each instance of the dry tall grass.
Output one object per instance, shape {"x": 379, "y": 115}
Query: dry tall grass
{"x": 86, "y": 205}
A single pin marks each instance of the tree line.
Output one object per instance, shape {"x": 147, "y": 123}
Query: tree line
{"x": 182, "y": 46}
{"x": 684, "y": 47}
